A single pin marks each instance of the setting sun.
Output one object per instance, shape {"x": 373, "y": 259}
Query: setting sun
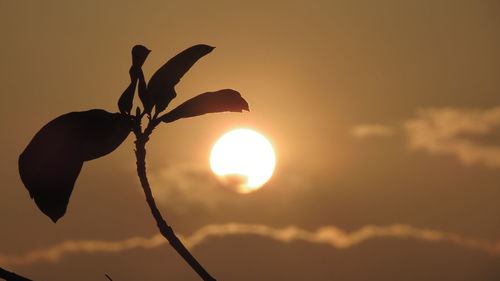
{"x": 243, "y": 160}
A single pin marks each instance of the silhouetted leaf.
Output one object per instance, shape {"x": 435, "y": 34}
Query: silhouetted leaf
{"x": 49, "y": 177}
{"x": 139, "y": 55}
{"x": 99, "y": 132}
{"x": 161, "y": 85}
{"x": 127, "y": 98}
{"x": 146, "y": 97}
{"x": 210, "y": 102}
{"x": 52, "y": 160}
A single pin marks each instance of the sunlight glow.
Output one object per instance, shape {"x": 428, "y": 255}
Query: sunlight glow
{"x": 243, "y": 159}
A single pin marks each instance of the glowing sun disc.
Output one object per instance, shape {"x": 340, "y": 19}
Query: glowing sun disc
{"x": 243, "y": 159}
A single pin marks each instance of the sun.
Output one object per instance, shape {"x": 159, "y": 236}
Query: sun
{"x": 243, "y": 160}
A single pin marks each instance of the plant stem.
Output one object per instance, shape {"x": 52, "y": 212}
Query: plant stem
{"x": 164, "y": 228}
{"x": 11, "y": 276}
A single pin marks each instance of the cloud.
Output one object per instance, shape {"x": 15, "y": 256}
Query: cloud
{"x": 58, "y": 251}
{"x": 371, "y": 130}
{"x": 456, "y": 132}
{"x": 448, "y": 131}
{"x": 184, "y": 185}
{"x": 328, "y": 235}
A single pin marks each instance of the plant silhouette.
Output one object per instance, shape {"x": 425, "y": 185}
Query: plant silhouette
{"x": 51, "y": 163}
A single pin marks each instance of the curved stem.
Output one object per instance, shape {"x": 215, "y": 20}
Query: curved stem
{"x": 164, "y": 228}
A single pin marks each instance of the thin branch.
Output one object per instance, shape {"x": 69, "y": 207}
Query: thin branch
{"x": 11, "y": 276}
{"x": 165, "y": 229}
{"x": 109, "y": 278}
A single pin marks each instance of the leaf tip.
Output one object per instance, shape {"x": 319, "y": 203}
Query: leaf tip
{"x": 206, "y": 48}
{"x": 140, "y": 49}
{"x": 242, "y": 102}
{"x": 54, "y": 219}
{"x": 139, "y": 55}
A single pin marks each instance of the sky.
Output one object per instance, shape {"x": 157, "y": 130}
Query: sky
{"x": 385, "y": 117}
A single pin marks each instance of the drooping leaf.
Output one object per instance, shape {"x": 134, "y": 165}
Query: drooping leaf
{"x": 100, "y": 132}
{"x": 50, "y": 164}
{"x": 210, "y": 102}
{"x": 49, "y": 175}
{"x": 161, "y": 85}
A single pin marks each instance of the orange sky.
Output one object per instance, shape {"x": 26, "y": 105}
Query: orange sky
{"x": 383, "y": 113}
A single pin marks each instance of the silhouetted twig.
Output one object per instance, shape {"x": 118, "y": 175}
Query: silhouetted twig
{"x": 49, "y": 170}
{"x": 109, "y": 278}
{"x": 11, "y": 276}
{"x": 165, "y": 229}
